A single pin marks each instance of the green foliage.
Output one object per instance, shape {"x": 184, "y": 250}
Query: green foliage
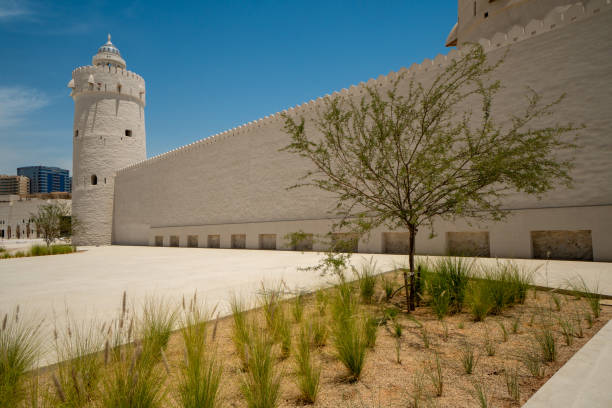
{"x": 261, "y": 382}
{"x": 512, "y": 384}
{"x": 366, "y": 278}
{"x": 589, "y": 292}
{"x": 371, "y": 330}
{"x": 489, "y": 345}
{"x": 41, "y": 250}
{"x": 240, "y": 328}
{"x": 155, "y": 326}
{"x": 54, "y": 221}
{"x": 533, "y": 362}
{"x": 435, "y": 374}
{"x": 388, "y": 284}
{"x": 19, "y": 348}
{"x": 308, "y": 373}
{"x": 447, "y": 284}
{"x": 298, "y": 307}
{"x": 468, "y": 358}
{"x": 479, "y": 300}
{"x": 80, "y": 368}
{"x": 504, "y": 331}
{"x": 547, "y": 343}
{"x": 200, "y": 374}
{"x": 404, "y": 158}
{"x": 480, "y": 395}
{"x": 319, "y": 330}
{"x": 567, "y": 329}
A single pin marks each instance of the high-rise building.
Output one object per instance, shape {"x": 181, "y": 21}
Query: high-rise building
{"x": 14, "y": 184}
{"x": 45, "y": 179}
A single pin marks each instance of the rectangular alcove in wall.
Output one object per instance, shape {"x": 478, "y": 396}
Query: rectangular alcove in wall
{"x": 562, "y": 244}
{"x": 174, "y": 240}
{"x": 468, "y": 243}
{"x": 214, "y": 241}
{"x": 304, "y": 243}
{"x": 345, "y": 241}
{"x": 159, "y": 240}
{"x": 267, "y": 241}
{"x": 238, "y": 241}
{"x": 396, "y": 242}
{"x": 192, "y": 241}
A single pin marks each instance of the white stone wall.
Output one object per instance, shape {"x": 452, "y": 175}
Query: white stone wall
{"x": 236, "y": 181}
{"x": 16, "y": 212}
{"x": 108, "y": 101}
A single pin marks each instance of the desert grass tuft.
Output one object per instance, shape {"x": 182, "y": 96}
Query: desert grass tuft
{"x": 516, "y": 324}
{"x": 479, "y": 300}
{"x": 567, "y": 329}
{"x": 308, "y": 373}
{"x": 200, "y": 373}
{"x": 589, "y": 292}
{"x": 388, "y": 284}
{"x": 545, "y": 339}
{"x": 512, "y": 384}
{"x": 366, "y": 279}
{"x": 297, "y": 308}
{"x": 156, "y": 324}
{"x": 261, "y": 381}
{"x": 489, "y": 345}
{"x": 533, "y": 362}
{"x": 480, "y": 394}
{"x": 504, "y": 331}
{"x": 435, "y": 374}
{"x": 468, "y": 358}
{"x": 240, "y": 328}
{"x": 371, "y": 330}
{"x": 20, "y": 346}
{"x": 447, "y": 284}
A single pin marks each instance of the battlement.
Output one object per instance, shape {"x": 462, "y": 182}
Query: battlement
{"x": 108, "y": 79}
{"x": 93, "y": 69}
{"x": 554, "y": 20}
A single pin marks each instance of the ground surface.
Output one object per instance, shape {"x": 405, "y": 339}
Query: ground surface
{"x": 90, "y": 284}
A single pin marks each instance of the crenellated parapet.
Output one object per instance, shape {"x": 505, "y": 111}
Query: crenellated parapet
{"x": 109, "y": 79}
{"x": 554, "y": 20}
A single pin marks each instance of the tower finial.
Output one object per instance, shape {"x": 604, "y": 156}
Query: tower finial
{"x": 109, "y": 37}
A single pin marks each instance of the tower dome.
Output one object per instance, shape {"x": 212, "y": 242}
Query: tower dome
{"x": 108, "y": 54}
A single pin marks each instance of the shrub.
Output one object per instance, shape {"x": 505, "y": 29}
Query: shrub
{"x": 19, "y": 349}
{"x": 261, "y": 382}
{"x": 366, "y": 278}
{"x": 468, "y": 358}
{"x": 308, "y": 374}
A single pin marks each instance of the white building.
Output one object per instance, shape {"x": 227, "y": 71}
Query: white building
{"x": 16, "y": 214}
{"x": 229, "y": 190}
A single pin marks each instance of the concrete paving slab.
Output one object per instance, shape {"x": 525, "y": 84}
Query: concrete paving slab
{"x": 90, "y": 284}
{"x": 584, "y": 381}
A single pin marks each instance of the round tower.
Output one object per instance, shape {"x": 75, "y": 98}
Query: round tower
{"x": 108, "y": 134}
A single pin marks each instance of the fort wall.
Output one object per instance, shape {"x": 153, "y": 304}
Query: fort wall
{"x": 236, "y": 181}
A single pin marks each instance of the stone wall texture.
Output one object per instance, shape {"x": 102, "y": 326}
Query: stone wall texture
{"x": 236, "y": 182}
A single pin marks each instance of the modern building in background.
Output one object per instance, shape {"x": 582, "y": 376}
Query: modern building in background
{"x": 45, "y": 179}
{"x": 14, "y": 184}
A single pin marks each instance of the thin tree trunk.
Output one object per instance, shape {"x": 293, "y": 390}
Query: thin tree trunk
{"x": 412, "y": 296}
{"x": 407, "y": 289}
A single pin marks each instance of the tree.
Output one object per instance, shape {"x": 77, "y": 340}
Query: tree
{"x": 408, "y": 156}
{"x": 54, "y": 221}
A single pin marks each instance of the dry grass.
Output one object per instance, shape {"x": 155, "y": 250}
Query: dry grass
{"x": 383, "y": 382}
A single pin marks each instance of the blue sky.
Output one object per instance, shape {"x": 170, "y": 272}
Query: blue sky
{"x": 209, "y": 65}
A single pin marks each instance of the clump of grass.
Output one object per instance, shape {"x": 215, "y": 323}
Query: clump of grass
{"x": 397, "y": 332}
{"x": 156, "y": 324}
{"x": 321, "y": 301}
{"x": 319, "y": 331}
{"x": 447, "y": 284}
{"x": 80, "y": 368}
{"x": 200, "y": 374}
{"x": 349, "y": 331}
{"x": 283, "y": 330}
{"x": 444, "y": 330}
{"x": 19, "y": 350}
{"x": 371, "y": 331}
{"x": 590, "y": 294}
{"x": 512, "y": 384}
{"x": 261, "y": 382}
{"x": 589, "y": 319}
{"x": 435, "y": 374}
{"x": 388, "y": 284}
{"x": 480, "y": 395}
{"x": 533, "y": 363}
{"x": 479, "y": 300}
{"x": 134, "y": 380}
{"x": 461, "y": 325}
{"x": 504, "y": 331}
{"x": 515, "y": 324}
{"x": 545, "y": 339}
{"x": 240, "y": 328}
{"x": 424, "y": 334}
{"x": 557, "y": 300}
{"x": 418, "y": 389}
{"x": 298, "y": 307}
{"x": 489, "y": 345}
{"x": 308, "y": 374}
{"x": 366, "y": 278}
{"x": 468, "y": 358}
{"x": 567, "y": 330}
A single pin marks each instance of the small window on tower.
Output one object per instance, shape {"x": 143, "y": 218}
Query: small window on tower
{"x": 128, "y": 132}
{"x": 119, "y": 88}
{"x": 94, "y": 179}
{"x": 76, "y": 133}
